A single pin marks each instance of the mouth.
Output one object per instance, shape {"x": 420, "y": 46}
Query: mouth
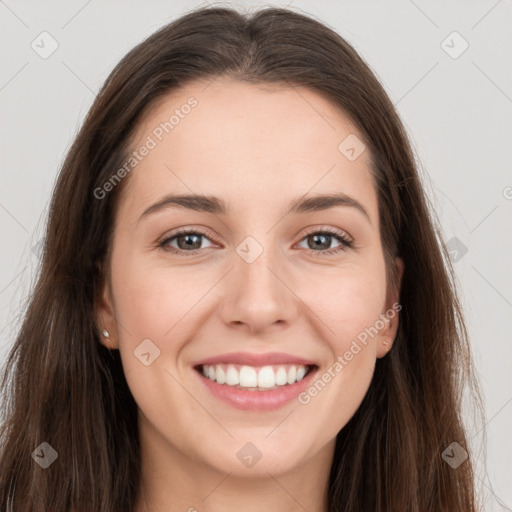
{"x": 255, "y": 378}
{"x": 255, "y": 381}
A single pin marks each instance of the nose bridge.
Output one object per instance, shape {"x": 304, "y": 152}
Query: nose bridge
{"x": 258, "y": 295}
{"x": 255, "y": 276}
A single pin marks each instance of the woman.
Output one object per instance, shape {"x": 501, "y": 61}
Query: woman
{"x": 243, "y": 303}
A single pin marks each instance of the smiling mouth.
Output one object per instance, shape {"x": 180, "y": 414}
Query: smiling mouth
{"x": 251, "y": 378}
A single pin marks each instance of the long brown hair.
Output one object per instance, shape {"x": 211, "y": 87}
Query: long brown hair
{"x": 63, "y": 387}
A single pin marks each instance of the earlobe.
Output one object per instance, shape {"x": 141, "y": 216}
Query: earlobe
{"x": 388, "y": 337}
{"x": 105, "y": 319}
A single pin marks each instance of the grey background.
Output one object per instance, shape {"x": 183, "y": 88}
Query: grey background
{"x": 457, "y": 112}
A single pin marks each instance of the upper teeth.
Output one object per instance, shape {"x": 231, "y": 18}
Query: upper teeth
{"x": 250, "y": 377}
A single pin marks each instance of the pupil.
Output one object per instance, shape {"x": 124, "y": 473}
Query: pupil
{"x": 325, "y": 237}
{"x": 188, "y": 243}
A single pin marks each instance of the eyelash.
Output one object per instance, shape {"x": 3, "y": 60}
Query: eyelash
{"x": 340, "y": 236}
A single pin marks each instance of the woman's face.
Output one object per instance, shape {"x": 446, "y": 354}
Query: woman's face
{"x": 258, "y": 283}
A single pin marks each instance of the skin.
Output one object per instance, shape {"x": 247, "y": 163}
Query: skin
{"x": 257, "y": 148}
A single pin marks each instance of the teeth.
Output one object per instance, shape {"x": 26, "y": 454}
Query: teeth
{"x": 220, "y": 375}
{"x": 281, "y": 377}
{"x": 292, "y": 375}
{"x": 232, "y": 377}
{"x": 248, "y": 377}
{"x": 266, "y": 377}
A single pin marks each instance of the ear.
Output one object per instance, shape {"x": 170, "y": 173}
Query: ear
{"x": 390, "y": 315}
{"x": 105, "y": 317}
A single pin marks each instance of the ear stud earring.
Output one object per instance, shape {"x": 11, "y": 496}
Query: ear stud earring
{"x": 105, "y": 334}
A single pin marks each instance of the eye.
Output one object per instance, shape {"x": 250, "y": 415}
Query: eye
{"x": 321, "y": 240}
{"x": 188, "y": 241}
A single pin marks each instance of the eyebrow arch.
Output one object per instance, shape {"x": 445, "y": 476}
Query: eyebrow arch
{"x": 324, "y": 202}
{"x": 212, "y": 204}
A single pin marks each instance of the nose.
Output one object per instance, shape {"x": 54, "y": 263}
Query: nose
{"x": 258, "y": 297}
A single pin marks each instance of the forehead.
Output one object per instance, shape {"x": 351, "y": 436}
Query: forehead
{"x": 249, "y": 144}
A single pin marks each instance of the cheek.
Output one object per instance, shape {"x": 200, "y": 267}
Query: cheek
{"x": 156, "y": 304}
{"x": 347, "y": 302}
{"x": 348, "y": 306}
{"x": 152, "y": 299}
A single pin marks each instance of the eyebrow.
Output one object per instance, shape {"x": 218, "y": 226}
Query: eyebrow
{"x": 215, "y": 205}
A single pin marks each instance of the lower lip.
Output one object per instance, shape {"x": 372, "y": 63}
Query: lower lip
{"x": 257, "y": 400}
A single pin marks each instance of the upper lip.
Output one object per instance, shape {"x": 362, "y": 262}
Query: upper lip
{"x": 251, "y": 359}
